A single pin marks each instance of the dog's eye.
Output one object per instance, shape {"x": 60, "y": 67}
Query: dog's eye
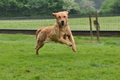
{"x": 59, "y": 17}
{"x": 64, "y": 16}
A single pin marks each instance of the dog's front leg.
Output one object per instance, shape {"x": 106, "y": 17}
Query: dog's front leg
{"x": 70, "y": 37}
{"x": 62, "y": 40}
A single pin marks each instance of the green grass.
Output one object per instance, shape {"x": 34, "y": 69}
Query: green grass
{"x": 19, "y": 24}
{"x": 92, "y": 61}
{"x": 106, "y": 23}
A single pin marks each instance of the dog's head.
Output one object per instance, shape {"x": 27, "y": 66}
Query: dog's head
{"x": 61, "y": 18}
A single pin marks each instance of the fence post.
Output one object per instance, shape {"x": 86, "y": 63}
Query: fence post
{"x": 97, "y": 26}
{"x": 91, "y": 33}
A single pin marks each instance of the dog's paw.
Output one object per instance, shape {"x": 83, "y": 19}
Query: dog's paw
{"x": 74, "y": 48}
{"x": 69, "y": 44}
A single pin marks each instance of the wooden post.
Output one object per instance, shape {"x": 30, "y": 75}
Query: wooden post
{"x": 91, "y": 33}
{"x": 97, "y": 26}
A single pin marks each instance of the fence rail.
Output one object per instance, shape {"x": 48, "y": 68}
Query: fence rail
{"x": 75, "y": 32}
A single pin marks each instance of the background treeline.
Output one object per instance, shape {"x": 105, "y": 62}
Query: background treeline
{"x": 13, "y": 8}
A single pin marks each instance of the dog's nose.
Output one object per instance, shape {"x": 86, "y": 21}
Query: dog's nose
{"x": 62, "y": 23}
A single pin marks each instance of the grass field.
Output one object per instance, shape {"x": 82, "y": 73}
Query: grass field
{"x": 106, "y": 23}
{"x": 92, "y": 61}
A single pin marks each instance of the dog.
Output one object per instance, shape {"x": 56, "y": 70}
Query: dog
{"x": 57, "y": 33}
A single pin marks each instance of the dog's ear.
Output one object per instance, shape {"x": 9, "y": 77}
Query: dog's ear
{"x": 54, "y": 14}
{"x": 66, "y": 12}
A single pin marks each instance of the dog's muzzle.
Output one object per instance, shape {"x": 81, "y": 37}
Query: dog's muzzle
{"x": 62, "y": 23}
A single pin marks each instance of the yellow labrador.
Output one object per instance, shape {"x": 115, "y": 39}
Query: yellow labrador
{"x": 57, "y": 33}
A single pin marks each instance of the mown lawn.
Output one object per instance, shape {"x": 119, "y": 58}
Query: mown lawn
{"x": 106, "y": 23}
{"x": 92, "y": 61}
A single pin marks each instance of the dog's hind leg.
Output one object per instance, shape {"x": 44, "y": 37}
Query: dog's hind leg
{"x": 38, "y": 46}
{"x": 40, "y": 41}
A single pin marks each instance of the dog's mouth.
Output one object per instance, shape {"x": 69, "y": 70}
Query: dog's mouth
{"x": 62, "y": 23}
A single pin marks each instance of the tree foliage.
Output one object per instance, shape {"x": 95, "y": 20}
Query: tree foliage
{"x": 29, "y": 7}
{"x": 71, "y": 6}
{"x": 106, "y": 6}
{"x": 86, "y": 6}
{"x": 110, "y": 7}
{"x": 46, "y": 7}
{"x": 115, "y": 7}
{"x": 98, "y": 4}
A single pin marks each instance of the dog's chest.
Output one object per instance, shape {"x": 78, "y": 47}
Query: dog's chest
{"x": 63, "y": 32}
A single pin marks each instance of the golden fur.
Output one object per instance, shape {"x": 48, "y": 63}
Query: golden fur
{"x": 57, "y": 33}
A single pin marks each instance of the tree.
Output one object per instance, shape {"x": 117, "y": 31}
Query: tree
{"x": 98, "y": 3}
{"x": 45, "y": 6}
{"x": 87, "y": 6}
{"x": 110, "y": 7}
{"x": 115, "y": 7}
{"x": 106, "y": 6}
{"x": 8, "y": 6}
{"x": 11, "y": 7}
{"x": 29, "y": 7}
{"x": 71, "y": 6}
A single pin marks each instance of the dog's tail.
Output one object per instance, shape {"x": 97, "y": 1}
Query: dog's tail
{"x": 37, "y": 32}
